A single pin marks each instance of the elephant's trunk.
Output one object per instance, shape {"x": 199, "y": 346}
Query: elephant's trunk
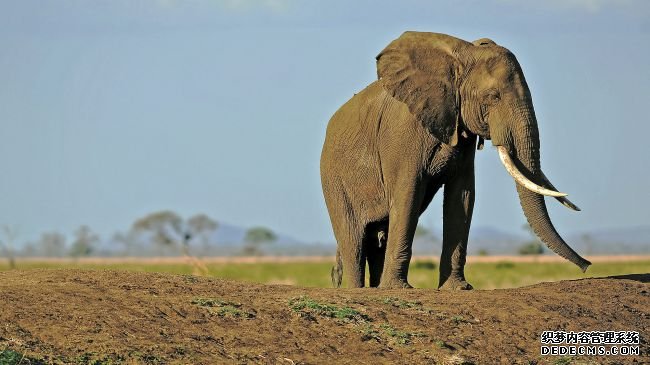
{"x": 524, "y": 141}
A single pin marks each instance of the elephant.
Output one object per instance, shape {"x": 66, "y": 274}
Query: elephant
{"x": 392, "y": 146}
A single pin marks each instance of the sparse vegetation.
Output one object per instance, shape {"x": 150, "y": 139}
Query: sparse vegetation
{"x": 399, "y": 337}
{"x": 223, "y": 308}
{"x": 92, "y": 358}
{"x": 308, "y": 307}
{"x": 386, "y": 332}
{"x": 370, "y": 332}
{"x": 401, "y": 303}
{"x": 564, "y": 360}
{"x": 441, "y": 344}
{"x": 11, "y": 357}
{"x": 459, "y": 319}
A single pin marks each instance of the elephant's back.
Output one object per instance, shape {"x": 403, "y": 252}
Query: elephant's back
{"x": 356, "y": 113}
{"x": 350, "y": 164}
{"x": 349, "y": 131}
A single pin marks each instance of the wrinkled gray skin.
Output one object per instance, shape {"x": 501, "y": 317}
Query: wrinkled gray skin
{"x": 391, "y": 147}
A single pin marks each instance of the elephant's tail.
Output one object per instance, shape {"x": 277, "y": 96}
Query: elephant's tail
{"x": 337, "y": 271}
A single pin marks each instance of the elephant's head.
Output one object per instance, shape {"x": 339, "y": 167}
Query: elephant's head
{"x": 458, "y": 89}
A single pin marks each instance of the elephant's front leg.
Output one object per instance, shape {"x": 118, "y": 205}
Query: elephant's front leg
{"x": 403, "y": 218}
{"x": 457, "y": 218}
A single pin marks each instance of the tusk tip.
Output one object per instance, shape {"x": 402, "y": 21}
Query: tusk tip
{"x": 569, "y": 204}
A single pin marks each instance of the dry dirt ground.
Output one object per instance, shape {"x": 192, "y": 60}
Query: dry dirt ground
{"x": 109, "y": 317}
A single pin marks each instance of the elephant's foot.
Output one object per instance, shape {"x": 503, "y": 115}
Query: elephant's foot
{"x": 456, "y": 283}
{"x": 394, "y": 284}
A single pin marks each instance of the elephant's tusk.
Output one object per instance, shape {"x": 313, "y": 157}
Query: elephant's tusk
{"x": 566, "y": 202}
{"x": 520, "y": 178}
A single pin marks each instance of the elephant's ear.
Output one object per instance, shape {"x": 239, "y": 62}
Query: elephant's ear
{"x": 420, "y": 70}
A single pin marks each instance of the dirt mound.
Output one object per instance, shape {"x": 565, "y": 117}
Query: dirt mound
{"x": 102, "y": 317}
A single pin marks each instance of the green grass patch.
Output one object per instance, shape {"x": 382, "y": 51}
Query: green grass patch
{"x": 11, "y": 357}
{"x": 424, "y": 265}
{"x": 504, "y": 265}
{"x": 223, "y": 308}
{"x": 308, "y": 307}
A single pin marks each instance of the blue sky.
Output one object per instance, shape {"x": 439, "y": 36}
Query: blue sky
{"x": 112, "y": 109}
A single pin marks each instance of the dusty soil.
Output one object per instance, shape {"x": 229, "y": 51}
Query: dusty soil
{"x": 75, "y": 316}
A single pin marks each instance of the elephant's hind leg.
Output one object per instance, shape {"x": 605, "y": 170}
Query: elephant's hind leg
{"x": 349, "y": 237}
{"x": 353, "y": 258}
{"x": 350, "y": 253}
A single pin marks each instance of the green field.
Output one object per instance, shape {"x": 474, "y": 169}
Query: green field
{"x": 423, "y": 274}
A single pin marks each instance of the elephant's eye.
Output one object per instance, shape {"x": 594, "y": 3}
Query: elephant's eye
{"x": 491, "y": 97}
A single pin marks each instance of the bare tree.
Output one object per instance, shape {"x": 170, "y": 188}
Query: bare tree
{"x": 7, "y": 245}
{"x": 84, "y": 242}
{"x": 128, "y": 240}
{"x": 588, "y": 241}
{"x": 52, "y": 244}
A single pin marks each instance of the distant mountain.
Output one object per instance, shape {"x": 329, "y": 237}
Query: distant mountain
{"x": 631, "y": 240}
{"x": 228, "y": 240}
{"x": 612, "y": 241}
{"x": 481, "y": 238}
